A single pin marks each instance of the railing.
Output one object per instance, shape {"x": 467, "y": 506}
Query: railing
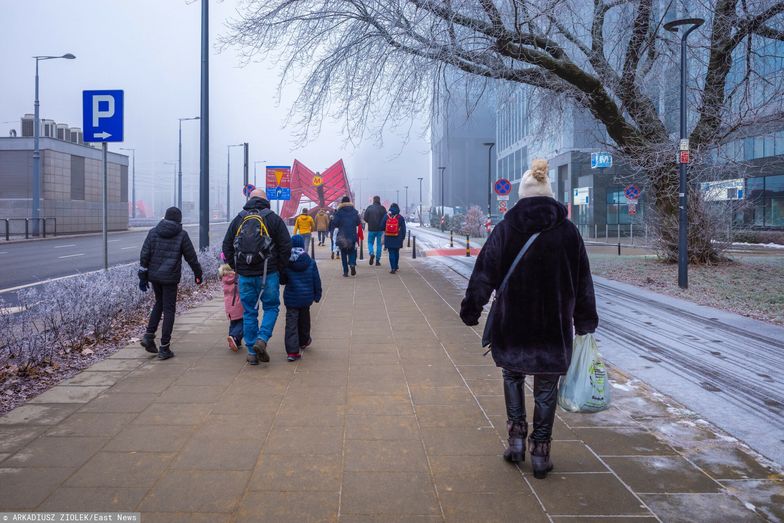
{"x": 632, "y": 233}
{"x": 23, "y": 227}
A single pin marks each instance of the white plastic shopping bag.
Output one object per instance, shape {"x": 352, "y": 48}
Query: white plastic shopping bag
{"x": 585, "y": 388}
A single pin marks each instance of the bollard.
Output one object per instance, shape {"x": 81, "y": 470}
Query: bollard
{"x": 646, "y": 234}
{"x": 361, "y": 249}
{"x": 409, "y": 238}
{"x": 451, "y": 241}
{"x": 618, "y": 230}
{"x": 606, "y": 231}
{"x": 312, "y": 248}
{"x": 468, "y": 246}
{"x": 55, "y": 226}
{"x": 7, "y": 230}
{"x": 619, "y": 248}
{"x": 413, "y": 250}
{"x": 27, "y": 228}
{"x": 44, "y": 227}
{"x": 631, "y": 232}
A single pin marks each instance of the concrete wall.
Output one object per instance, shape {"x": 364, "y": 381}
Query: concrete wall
{"x": 72, "y": 216}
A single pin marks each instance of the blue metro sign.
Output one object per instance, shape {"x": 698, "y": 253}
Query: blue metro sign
{"x": 601, "y": 160}
{"x": 102, "y": 116}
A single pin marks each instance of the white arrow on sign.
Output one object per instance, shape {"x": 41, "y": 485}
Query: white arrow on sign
{"x": 103, "y": 135}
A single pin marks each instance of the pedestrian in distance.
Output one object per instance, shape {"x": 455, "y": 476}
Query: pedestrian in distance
{"x": 322, "y": 226}
{"x": 374, "y": 215}
{"x": 394, "y": 227}
{"x": 257, "y": 246}
{"x": 160, "y": 264}
{"x": 303, "y": 287}
{"x": 232, "y": 304}
{"x": 304, "y": 226}
{"x": 538, "y": 307}
{"x": 345, "y": 222}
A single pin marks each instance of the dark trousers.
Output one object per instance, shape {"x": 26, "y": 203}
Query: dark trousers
{"x": 545, "y": 401}
{"x": 297, "y": 328}
{"x": 394, "y": 258}
{"x": 348, "y": 258}
{"x": 235, "y": 329}
{"x": 322, "y": 236}
{"x": 166, "y": 305}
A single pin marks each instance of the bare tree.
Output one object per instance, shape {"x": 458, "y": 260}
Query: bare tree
{"x": 370, "y": 61}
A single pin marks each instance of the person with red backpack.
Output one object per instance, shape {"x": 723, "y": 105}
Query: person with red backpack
{"x": 394, "y": 226}
{"x": 257, "y": 246}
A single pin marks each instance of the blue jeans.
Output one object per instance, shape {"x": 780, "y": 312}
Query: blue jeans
{"x": 250, "y": 288}
{"x": 348, "y": 257}
{"x": 374, "y": 237}
{"x": 394, "y": 257}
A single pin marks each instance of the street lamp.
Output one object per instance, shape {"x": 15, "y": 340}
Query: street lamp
{"x": 489, "y": 146}
{"x": 179, "y": 174}
{"x": 420, "y": 201}
{"x": 683, "y": 223}
{"x": 133, "y": 183}
{"x": 443, "y": 217}
{"x": 406, "y": 208}
{"x": 36, "y": 211}
{"x": 174, "y": 187}
{"x": 228, "y": 178}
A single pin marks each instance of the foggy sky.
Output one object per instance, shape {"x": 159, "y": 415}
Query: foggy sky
{"x": 150, "y": 49}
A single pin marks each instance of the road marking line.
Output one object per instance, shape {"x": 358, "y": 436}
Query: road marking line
{"x": 110, "y": 241}
{"x": 70, "y": 256}
{"x": 126, "y": 248}
{"x": 36, "y": 284}
{"x": 4, "y": 252}
{"x": 61, "y": 246}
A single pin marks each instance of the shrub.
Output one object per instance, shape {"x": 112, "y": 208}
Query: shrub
{"x": 474, "y": 222}
{"x": 68, "y": 313}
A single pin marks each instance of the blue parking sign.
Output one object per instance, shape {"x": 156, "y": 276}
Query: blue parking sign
{"x": 102, "y": 116}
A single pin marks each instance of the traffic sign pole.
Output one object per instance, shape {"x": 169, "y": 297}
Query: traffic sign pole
{"x": 105, "y": 220}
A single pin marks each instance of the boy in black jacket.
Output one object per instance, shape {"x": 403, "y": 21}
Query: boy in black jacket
{"x": 161, "y": 265}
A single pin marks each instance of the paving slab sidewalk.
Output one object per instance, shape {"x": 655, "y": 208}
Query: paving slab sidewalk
{"x": 392, "y": 415}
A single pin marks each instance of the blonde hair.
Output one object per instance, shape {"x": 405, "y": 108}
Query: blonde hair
{"x": 539, "y": 169}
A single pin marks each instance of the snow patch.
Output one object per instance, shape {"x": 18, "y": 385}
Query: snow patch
{"x": 768, "y": 245}
{"x": 750, "y": 506}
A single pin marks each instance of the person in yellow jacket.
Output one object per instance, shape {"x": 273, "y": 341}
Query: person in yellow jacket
{"x": 303, "y": 226}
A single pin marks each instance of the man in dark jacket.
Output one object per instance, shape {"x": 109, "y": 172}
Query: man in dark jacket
{"x": 303, "y": 287}
{"x": 346, "y": 220}
{"x": 549, "y": 293}
{"x": 161, "y": 264}
{"x": 258, "y": 281}
{"x": 374, "y": 215}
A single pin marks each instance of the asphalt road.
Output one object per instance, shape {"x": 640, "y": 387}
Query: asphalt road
{"x": 29, "y": 262}
{"x": 723, "y": 367}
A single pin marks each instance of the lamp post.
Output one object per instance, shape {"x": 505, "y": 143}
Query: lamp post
{"x": 174, "y": 187}
{"x": 255, "y": 172}
{"x": 489, "y": 146}
{"x": 179, "y": 162}
{"x": 133, "y": 183}
{"x": 36, "y": 210}
{"x": 406, "y": 208}
{"x": 204, "y": 135}
{"x": 683, "y": 223}
{"x": 420, "y": 201}
{"x": 443, "y": 217}
{"x": 228, "y": 178}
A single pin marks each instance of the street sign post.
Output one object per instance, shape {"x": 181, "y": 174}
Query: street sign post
{"x": 102, "y": 121}
{"x": 502, "y": 206}
{"x": 683, "y": 157}
{"x": 502, "y": 187}
{"x": 631, "y": 192}
{"x": 249, "y": 188}
{"x": 601, "y": 160}
{"x": 581, "y": 196}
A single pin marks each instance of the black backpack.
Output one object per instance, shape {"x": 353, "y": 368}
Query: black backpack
{"x": 252, "y": 242}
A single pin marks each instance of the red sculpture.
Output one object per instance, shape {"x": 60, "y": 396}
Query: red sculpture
{"x": 323, "y": 189}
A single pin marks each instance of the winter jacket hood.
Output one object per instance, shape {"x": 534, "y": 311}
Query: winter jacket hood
{"x": 394, "y": 209}
{"x": 535, "y": 214}
{"x": 168, "y": 228}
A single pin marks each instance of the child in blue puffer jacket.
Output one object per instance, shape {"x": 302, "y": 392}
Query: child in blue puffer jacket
{"x": 303, "y": 287}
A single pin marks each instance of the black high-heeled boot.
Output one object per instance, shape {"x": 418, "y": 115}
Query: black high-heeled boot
{"x": 540, "y": 458}
{"x": 515, "y": 453}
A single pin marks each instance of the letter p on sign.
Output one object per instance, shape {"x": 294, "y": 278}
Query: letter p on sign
{"x": 102, "y": 116}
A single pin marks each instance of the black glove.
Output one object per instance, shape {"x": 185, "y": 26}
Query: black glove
{"x": 143, "y": 285}
{"x": 470, "y": 321}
